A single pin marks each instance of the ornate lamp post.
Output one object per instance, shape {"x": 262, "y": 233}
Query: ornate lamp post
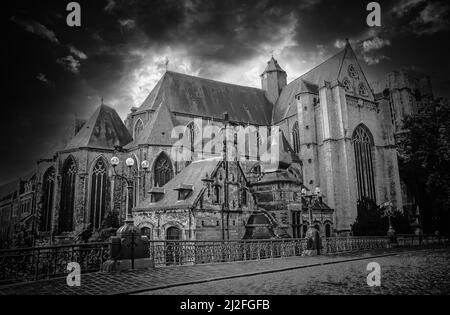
{"x": 312, "y": 235}
{"x": 389, "y": 211}
{"x": 128, "y": 244}
{"x": 129, "y": 180}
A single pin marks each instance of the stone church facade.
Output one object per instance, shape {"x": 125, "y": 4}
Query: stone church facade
{"x": 337, "y": 133}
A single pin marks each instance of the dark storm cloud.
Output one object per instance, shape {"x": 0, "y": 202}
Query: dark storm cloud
{"x": 54, "y": 71}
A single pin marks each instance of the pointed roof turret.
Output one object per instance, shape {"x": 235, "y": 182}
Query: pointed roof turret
{"x": 104, "y": 130}
{"x": 272, "y": 65}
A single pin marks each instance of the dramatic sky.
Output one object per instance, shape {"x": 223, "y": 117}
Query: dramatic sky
{"x": 53, "y": 72}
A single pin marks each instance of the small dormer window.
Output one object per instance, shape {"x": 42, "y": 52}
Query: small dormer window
{"x": 184, "y": 191}
{"x": 156, "y": 194}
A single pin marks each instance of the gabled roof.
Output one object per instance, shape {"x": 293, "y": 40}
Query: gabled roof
{"x": 182, "y": 93}
{"x": 192, "y": 176}
{"x": 309, "y": 82}
{"x": 272, "y": 65}
{"x": 103, "y": 130}
{"x": 158, "y": 130}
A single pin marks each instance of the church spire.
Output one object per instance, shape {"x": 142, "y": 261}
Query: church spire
{"x": 273, "y": 80}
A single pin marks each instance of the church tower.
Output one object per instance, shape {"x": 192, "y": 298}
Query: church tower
{"x": 273, "y": 80}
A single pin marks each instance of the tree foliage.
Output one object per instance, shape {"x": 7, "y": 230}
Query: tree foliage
{"x": 425, "y": 157}
{"x": 371, "y": 220}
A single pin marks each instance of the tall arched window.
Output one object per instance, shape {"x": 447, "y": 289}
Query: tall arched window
{"x": 296, "y": 138}
{"x": 191, "y": 134}
{"x": 138, "y": 127}
{"x": 48, "y": 185}
{"x": 69, "y": 172}
{"x": 163, "y": 170}
{"x": 99, "y": 187}
{"x": 363, "y": 146}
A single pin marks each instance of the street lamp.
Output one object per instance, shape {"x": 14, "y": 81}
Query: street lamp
{"x": 129, "y": 180}
{"x": 128, "y": 243}
{"x": 312, "y": 235}
{"x": 389, "y": 212}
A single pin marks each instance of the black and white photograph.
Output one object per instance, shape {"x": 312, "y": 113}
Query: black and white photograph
{"x": 225, "y": 152}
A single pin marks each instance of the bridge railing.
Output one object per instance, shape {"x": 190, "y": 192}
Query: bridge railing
{"x": 31, "y": 264}
{"x": 166, "y": 253}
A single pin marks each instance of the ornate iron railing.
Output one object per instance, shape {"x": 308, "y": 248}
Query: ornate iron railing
{"x": 31, "y": 264}
{"x": 347, "y": 244}
{"x": 166, "y": 253}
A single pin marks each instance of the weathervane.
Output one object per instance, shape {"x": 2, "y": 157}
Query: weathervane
{"x": 166, "y": 64}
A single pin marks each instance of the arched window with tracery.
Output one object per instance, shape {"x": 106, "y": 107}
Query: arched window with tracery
{"x": 138, "y": 128}
{"x": 296, "y": 138}
{"x": 363, "y": 146}
{"x": 191, "y": 134}
{"x": 362, "y": 89}
{"x": 347, "y": 85}
{"x": 48, "y": 185}
{"x": 69, "y": 172}
{"x": 163, "y": 171}
{"x": 99, "y": 188}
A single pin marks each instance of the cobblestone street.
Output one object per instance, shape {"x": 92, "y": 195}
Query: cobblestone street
{"x": 421, "y": 272}
{"x": 403, "y": 271}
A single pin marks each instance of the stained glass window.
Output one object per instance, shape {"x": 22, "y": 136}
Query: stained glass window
{"x": 353, "y": 72}
{"x": 347, "y": 85}
{"x": 362, "y": 89}
{"x": 47, "y": 200}
{"x": 163, "y": 170}
{"x": 69, "y": 172}
{"x": 99, "y": 186}
{"x": 296, "y": 138}
{"x": 138, "y": 127}
{"x": 363, "y": 146}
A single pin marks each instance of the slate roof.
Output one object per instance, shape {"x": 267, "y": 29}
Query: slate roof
{"x": 158, "y": 130}
{"x": 191, "y": 175}
{"x": 207, "y": 98}
{"x": 272, "y": 65}
{"x": 103, "y": 130}
{"x": 307, "y": 83}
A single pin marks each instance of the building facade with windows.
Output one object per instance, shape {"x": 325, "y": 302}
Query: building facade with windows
{"x": 338, "y": 133}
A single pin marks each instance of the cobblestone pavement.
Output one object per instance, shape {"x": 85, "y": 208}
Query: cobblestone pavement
{"x": 341, "y": 273}
{"x": 420, "y": 272}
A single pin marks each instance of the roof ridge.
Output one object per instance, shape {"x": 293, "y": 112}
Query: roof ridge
{"x": 320, "y": 64}
{"x": 215, "y": 81}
